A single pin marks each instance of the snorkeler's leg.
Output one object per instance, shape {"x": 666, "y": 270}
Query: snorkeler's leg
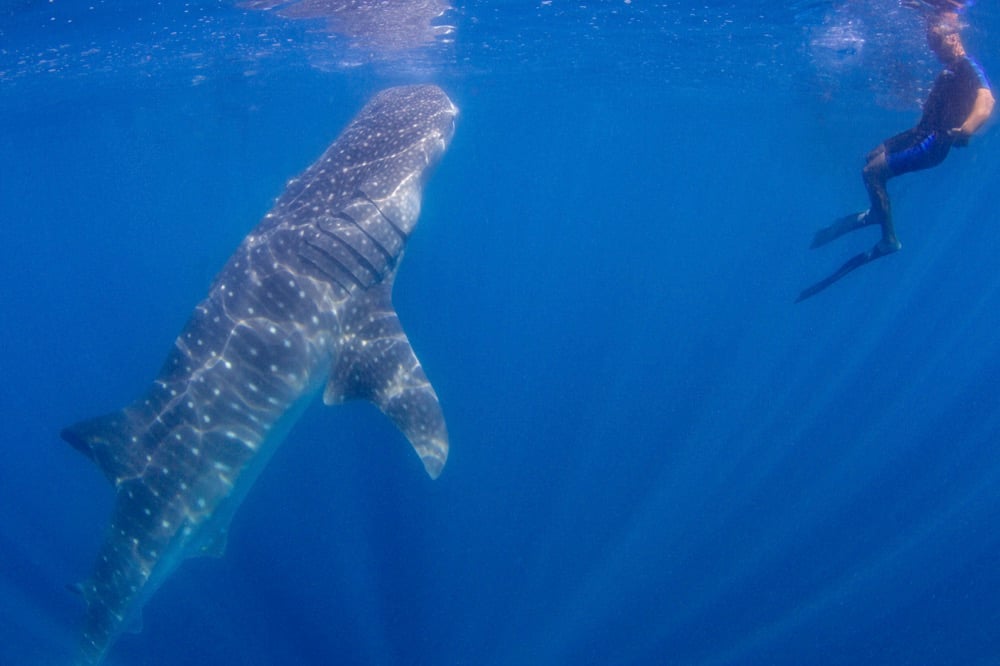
{"x": 876, "y": 174}
{"x": 856, "y": 261}
{"x": 874, "y": 160}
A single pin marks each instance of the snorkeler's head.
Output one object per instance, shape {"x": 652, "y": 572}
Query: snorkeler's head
{"x": 943, "y": 36}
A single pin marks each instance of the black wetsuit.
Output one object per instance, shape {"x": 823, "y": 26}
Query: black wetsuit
{"x": 950, "y": 102}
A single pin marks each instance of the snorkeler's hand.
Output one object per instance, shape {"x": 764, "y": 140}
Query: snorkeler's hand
{"x": 959, "y": 137}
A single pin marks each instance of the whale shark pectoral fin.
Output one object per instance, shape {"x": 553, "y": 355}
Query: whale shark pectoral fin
{"x": 378, "y": 364}
{"x": 411, "y": 403}
{"x": 386, "y": 371}
{"x": 108, "y": 441}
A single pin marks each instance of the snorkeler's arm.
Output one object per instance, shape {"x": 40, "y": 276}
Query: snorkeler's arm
{"x": 981, "y": 111}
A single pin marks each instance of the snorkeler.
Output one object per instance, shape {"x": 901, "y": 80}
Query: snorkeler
{"x": 959, "y": 103}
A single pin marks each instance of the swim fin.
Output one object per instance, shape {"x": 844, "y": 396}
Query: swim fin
{"x": 858, "y": 260}
{"x": 840, "y": 227}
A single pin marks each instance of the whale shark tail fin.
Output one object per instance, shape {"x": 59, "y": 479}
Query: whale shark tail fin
{"x": 107, "y": 440}
{"x": 378, "y": 364}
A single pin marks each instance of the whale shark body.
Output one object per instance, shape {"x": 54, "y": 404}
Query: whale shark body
{"x": 305, "y": 301}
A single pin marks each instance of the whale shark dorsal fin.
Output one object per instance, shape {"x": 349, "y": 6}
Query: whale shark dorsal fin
{"x": 108, "y": 441}
{"x": 377, "y": 363}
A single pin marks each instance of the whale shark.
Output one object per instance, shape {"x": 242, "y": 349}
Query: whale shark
{"x": 303, "y": 306}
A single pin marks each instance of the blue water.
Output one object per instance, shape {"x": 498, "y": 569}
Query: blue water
{"x": 656, "y": 457}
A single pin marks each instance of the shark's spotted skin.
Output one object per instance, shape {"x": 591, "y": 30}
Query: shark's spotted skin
{"x": 305, "y": 300}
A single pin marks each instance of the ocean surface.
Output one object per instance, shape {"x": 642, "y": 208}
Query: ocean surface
{"x": 656, "y": 456}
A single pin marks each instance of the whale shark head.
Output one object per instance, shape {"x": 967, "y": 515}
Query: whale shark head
{"x": 415, "y": 125}
{"x": 389, "y": 150}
